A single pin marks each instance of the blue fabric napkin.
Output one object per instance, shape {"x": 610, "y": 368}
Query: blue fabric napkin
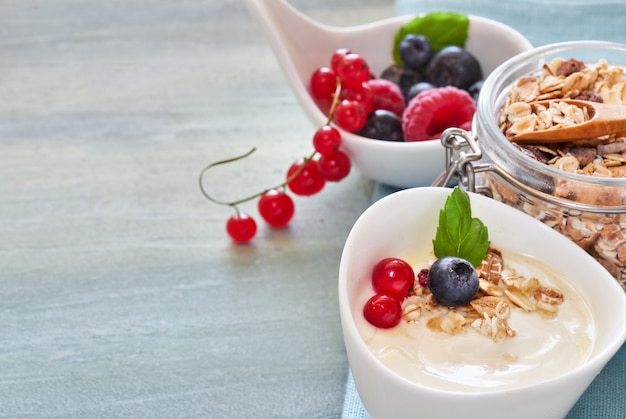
{"x": 604, "y": 399}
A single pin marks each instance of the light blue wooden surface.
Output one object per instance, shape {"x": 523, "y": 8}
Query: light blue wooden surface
{"x": 120, "y": 294}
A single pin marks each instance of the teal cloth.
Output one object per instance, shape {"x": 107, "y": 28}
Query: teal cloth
{"x": 541, "y": 21}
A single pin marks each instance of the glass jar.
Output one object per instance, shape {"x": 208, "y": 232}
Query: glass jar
{"x": 590, "y": 210}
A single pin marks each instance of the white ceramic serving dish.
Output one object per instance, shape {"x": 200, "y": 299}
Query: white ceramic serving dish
{"x": 301, "y": 45}
{"x": 404, "y": 222}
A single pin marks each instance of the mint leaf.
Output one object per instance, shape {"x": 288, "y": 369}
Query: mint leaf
{"x": 458, "y": 234}
{"x": 441, "y": 29}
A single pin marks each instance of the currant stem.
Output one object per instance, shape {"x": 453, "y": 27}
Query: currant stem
{"x": 283, "y": 185}
{"x": 334, "y": 103}
{"x": 234, "y": 204}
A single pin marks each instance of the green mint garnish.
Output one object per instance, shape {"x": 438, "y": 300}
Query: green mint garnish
{"x": 458, "y": 234}
{"x": 441, "y": 29}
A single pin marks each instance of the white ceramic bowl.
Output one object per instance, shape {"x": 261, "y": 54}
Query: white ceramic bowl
{"x": 404, "y": 222}
{"x": 302, "y": 45}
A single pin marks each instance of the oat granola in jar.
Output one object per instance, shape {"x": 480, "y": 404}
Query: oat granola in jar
{"x": 577, "y": 188}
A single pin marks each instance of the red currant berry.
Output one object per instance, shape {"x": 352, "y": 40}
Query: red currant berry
{"x": 241, "y": 228}
{"x": 387, "y": 96}
{"x": 361, "y": 94}
{"x": 334, "y": 167}
{"x": 350, "y": 115}
{"x": 382, "y": 311}
{"x": 326, "y": 140}
{"x": 393, "y": 277}
{"x": 337, "y": 58}
{"x": 309, "y": 180}
{"x": 323, "y": 83}
{"x": 422, "y": 277}
{"x": 353, "y": 70}
{"x": 276, "y": 208}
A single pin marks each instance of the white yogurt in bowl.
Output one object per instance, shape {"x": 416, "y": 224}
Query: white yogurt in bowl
{"x": 538, "y": 373}
{"x": 542, "y": 348}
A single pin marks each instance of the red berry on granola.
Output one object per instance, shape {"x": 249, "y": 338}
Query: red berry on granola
{"x": 393, "y": 277}
{"x": 382, "y": 311}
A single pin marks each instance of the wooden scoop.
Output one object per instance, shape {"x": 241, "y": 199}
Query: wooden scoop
{"x": 603, "y": 119}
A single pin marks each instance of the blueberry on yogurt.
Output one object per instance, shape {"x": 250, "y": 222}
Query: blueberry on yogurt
{"x": 453, "y": 281}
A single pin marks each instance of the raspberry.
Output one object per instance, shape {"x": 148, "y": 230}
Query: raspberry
{"x": 422, "y": 277}
{"x": 428, "y": 114}
{"x": 387, "y": 96}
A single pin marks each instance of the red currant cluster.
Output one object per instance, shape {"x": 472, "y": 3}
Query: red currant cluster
{"x": 356, "y": 99}
{"x": 392, "y": 279}
{"x": 347, "y": 105}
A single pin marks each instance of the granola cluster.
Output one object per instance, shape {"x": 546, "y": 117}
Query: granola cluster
{"x": 602, "y": 235}
{"x": 502, "y": 289}
{"x": 568, "y": 79}
{"x": 525, "y": 117}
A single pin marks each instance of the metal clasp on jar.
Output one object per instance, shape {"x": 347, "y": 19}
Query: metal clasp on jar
{"x": 462, "y": 157}
{"x": 462, "y": 165}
